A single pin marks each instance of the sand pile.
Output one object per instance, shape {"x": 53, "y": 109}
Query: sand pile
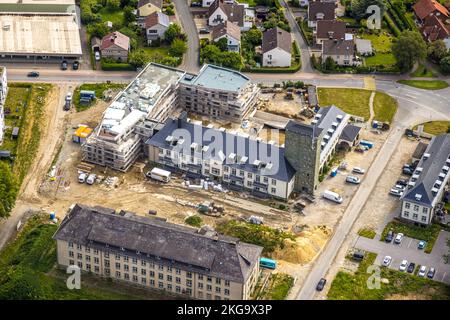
{"x": 306, "y": 246}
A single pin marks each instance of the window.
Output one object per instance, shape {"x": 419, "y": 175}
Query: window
{"x": 160, "y": 267}
{"x": 424, "y": 218}
{"x": 217, "y": 297}
{"x": 152, "y": 265}
{"x": 160, "y": 276}
{"x": 126, "y": 267}
{"x": 96, "y": 260}
{"x": 117, "y": 256}
{"x": 134, "y": 260}
{"x": 189, "y": 283}
{"x": 107, "y": 263}
{"x": 217, "y": 289}
{"x": 415, "y": 216}
{"x": 177, "y": 271}
{"x": 125, "y": 258}
{"x": 169, "y": 278}
{"x": 135, "y": 269}
{"x": 71, "y": 262}
{"x": 227, "y": 292}
{"x": 88, "y": 258}
{"x": 407, "y": 205}
{"x": 117, "y": 265}
{"x": 126, "y": 276}
{"x": 274, "y": 182}
{"x": 143, "y": 281}
{"x": 152, "y": 282}
{"x": 208, "y": 296}
{"x": 200, "y": 277}
{"x": 406, "y": 214}
{"x": 169, "y": 269}
{"x": 117, "y": 274}
{"x": 218, "y": 281}
{"x": 169, "y": 287}
{"x": 143, "y": 263}
{"x": 178, "y": 289}
{"x": 425, "y": 210}
{"x": 107, "y": 271}
{"x": 79, "y": 256}
{"x": 70, "y": 244}
{"x": 79, "y": 247}
{"x": 71, "y": 254}
{"x": 96, "y": 269}
{"x": 87, "y": 249}
{"x": 106, "y": 255}
{"x": 178, "y": 280}
{"x": 135, "y": 278}
{"x": 416, "y": 207}
{"x": 200, "y": 294}
{"x": 209, "y": 279}
{"x": 143, "y": 272}
{"x": 96, "y": 251}
{"x": 188, "y": 291}
{"x": 160, "y": 285}
{"x": 227, "y": 283}
{"x": 189, "y": 275}
{"x": 200, "y": 285}
{"x": 208, "y": 287}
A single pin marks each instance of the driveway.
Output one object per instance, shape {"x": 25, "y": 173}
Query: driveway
{"x": 408, "y": 250}
{"x": 184, "y": 15}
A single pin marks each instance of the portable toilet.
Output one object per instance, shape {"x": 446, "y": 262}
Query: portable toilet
{"x": 52, "y": 215}
{"x": 334, "y": 172}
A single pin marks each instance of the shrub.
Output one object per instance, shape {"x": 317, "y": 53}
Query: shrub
{"x": 195, "y": 221}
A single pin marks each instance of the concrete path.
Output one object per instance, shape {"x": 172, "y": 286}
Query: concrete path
{"x": 372, "y": 112}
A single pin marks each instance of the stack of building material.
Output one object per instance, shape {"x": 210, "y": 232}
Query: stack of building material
{"x": 80, "y": 135}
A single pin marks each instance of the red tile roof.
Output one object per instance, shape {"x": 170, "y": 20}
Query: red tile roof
{"x": 435, "y": 29}
{"x": 423, "y": 8}
{"x": 116, "y": 38}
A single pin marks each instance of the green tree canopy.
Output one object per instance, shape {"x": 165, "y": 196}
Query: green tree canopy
{"x": 445, "y": 64}
{"x": 98, "y": 29}
{"x": 437, "y": 50}
{"x": 172, "y": 32}
{"x": 138, "y": 58}
{"x": 177, "y": 48}
{"x": 8, "y": 190}
{"x": 408, "y": 49}
{"x": 359, "y": 7}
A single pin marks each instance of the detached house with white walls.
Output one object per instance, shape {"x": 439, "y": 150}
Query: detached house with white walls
{"x": 320, "y": 11}
{"x": 426, "y": 186}
{"x": 276, "y": 48}
{"x": 156, "y": 25}
{"x": 229, "y": 31}
{"x": 239, "y": 14}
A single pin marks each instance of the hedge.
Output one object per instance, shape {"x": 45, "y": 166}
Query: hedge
{"x": 114, "y": 66}
{"x": 391, "y": 25}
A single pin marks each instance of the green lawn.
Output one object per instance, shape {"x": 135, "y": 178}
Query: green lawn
{"x": 384, "y": 107}
{"x": 352, "y": 101}
{"x": 380, "y": 43}
{"x": 251, "y": 3}
{"x": 99, "y": 89}
{"x": 116, "y": 17}
{"x": 436, "y": 127}
{"x": 428, "y": 234}
{"x": 425, "y": 84}
{"x": 367, "y": 233}
{"x": 378, "y": 59}
{"x": 346, "y": 286}
{"x": 278, "y": 286}
{"x": 422, "y": 72}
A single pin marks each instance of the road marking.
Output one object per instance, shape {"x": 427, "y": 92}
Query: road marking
{"x": 369, "y": 83}
{"x": 443, "y": 277}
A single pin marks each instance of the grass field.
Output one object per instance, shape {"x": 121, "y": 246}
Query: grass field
{"x": 436, "y": 127}
{"x": 380, "y": 43}
{"x": 384, "y": 107}
{"x": 278, "y": 286}
{"x": 428, "y": 234}
{"x": 116, "y": 16}
{"x": 352, "y": 101}
{"x": 380, "y": 59}
{"x": 425, "y": 84}
{"x": 346, "y": 286}
{"x": 422, "y": 72}
{"x": 99, "y": 89}
{"x": 27, "y": 270}
{"x": 367, "y": 233}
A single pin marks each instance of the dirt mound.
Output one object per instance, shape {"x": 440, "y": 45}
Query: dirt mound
{"x": 408, "y": 297}
{"x": 306, "y": 246}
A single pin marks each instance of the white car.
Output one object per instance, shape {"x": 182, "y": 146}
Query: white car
{"x": 69, "y": 96}
{"x": 358, "y": 170}
{"x": 353, "y": 179}
{"x": 422, "y": 271}
{"x": 403, "y": 265}
{"x": 82, "y": 177}
{"x": 387, "y": 261}
{"x": 396, "y": 192}
{"x": 91, "y": 179}
{"x": 398, "y": 238}
{"x": 97, "y": 56}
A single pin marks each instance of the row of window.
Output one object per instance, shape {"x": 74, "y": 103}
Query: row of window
{"x": 416, "y": 207}
{"x": 415, "y": 216}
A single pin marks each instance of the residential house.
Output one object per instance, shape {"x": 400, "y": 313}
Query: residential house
{"x": 221, "y": 11}
{"x": 329, "y": 30}
{"x": 428, "y": 8}
{"x": 147, "y": 7}
{"x": 156, "y": 25}
{"x": 276, "y": 48}
{"x": 229, "y": 31}
{"x": 207, "y": 3}
{"x": 3, "y": 92}
{"x": 319, "y": 10}
{"x": 343, "y": 52}
{"x": 193, "y": 263}
{"x": 426, "y": 186}
{"x": 434, "y": 29}
{"x": 115, "y": 46}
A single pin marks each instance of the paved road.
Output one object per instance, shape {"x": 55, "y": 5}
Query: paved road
{"x": 191, "y": 58}
{"x": 295, "y": 30}
{"x": 408, "y": 250}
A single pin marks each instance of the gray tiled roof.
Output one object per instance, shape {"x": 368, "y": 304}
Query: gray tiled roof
{"x": 327, "y": 8}
{"x": 330, "y": 29}
{"x": 439, "y": 153}
{"x": 239, "y": 145}
{"x": 159, "y": 241}
{"x": 350, "y": 132}
{"x": 420, "y": 150}
{"x": 276, "y": 38}
{"x": 338, "y": 47}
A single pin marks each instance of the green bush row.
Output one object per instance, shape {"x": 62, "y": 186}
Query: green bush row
{"x": 391, "y": 25}
{"x": 115, "y": 66}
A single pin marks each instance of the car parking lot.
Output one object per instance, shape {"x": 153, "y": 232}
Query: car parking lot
{"x": 408, "y": 250}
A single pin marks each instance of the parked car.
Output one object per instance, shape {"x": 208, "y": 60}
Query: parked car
{"x": 431, "y": 273}
{"x": 196, "y": 4}
{"x": 358, "y": 256}
{"x": 403, "y": 265}
{"x": 82, "y": 177}
{"x": 333, "y": 196}
{"x": 402, "y": 182}
{"x": 421, "y": 244}
{"x": 408, "y": 171}
{"x": 422, "y": 271}
{"x": 353, "y": 179}
{"x": 75, "y": 65}
{"x": 398, "y": 238}
{"x": 396, "y": 192}
{"x": 64, "y": 65}
{"x": 67, "y": 105}
{"x": 358, "y": 170}
{"x": 91, "y": 179}
{"x": 399, "y": 187}
{"x": 411, "y": 267}
{"x": 387, "y": 261}
{"x": 389, "y": 236}
{"x": 97, "y": 56}
{"x": 203, "y": 31}
{"x": 33, "y": 74}
{"x": 321, "y": 284}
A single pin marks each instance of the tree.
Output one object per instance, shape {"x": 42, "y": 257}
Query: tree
{"x": 437, "y": 50}
{"x": 128, "y": 15}
{"x": 409, "y": 49}
{"x": 222, "y": 44}
{"x": 113, "y": 4}
{"x": 329, "y": 64}
{"x": 21, "y": 284}
{"x": 359, "y": 7}
{"x": 8, "y": 190}
{"x": 172, "y": 32}
{"x": 177, "y": 48}
{"x": 253, "y": 36}
{"x": 445, "y": 64}
{"x": 98, "y": 29}
{"x": 138, "y": 58}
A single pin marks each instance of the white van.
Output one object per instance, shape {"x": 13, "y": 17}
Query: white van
{"x": 333, "y": 196}
{"x": 159, "y": 175}
{"x": 91, "y": 179}
{"x": 82, "y": 177}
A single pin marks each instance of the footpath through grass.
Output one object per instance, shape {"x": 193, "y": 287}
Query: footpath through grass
{"x": 436, "y": 127}
{"x": 428, "y": 234}
{"x": 425, "y": 84}
{"x": 347, "y": 286}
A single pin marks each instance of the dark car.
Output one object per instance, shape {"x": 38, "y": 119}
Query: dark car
{"x": 401, "y": 182}
{"x": 196, "y": 4}
{"x": 389, "y": 236}
{"x": 203, "y": 31}
{"x": 33, "y": 74}
{"x": 64, "y": 65}
{"x": 358, "y": 256}
{"x": 408, "y": 171}
{"x": 411, "y": 267}
{"x": 75, "y": 65}
{"x": 431, "y": 273}
{"x": 321, "y": 284}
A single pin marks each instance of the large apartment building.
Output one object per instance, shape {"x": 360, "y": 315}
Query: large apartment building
{"x": 219, "y": 93}
{"x": 155, "y": 254}
{"x": 426, "y": 186}
{"x": 3, "y": 92}
{"x": 152, "y": 96}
